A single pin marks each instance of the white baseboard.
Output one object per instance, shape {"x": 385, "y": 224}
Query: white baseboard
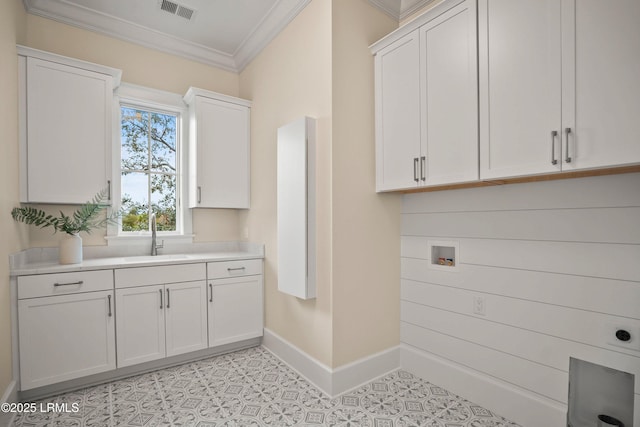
{"x": 332, "y": 381}
{"x": 10, "y": 395}
{"x": 516, "y": 404}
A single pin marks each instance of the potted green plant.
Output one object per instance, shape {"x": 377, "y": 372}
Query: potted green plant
{"x": 85, "y": 218}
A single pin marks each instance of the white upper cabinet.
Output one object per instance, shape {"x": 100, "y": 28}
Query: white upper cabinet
{"x": 601, "y": 103}
{"x": 449, "y": 97}
{"x": 397, "y": 83}
{"x": 426, "y": 100}
{"x": 66, "y": 127}
{"x": 520, "y": 87}
{"x": 219, "y": 149}
{"x": 558, "y": 85}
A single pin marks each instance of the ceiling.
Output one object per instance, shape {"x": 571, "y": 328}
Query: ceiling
{"x": 224, "y": 33}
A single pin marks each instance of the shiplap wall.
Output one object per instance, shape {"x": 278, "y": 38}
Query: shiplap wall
{"x": 557, "y": 264}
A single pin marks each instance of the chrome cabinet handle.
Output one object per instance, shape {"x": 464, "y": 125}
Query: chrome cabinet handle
{"x": 415, "y": 169}
{"x": 109, "y": 190}
{"x": 236, "y": 269}
{"x": 167, "y": 298}
{"x": 211, "y": 290}
{"x": 160, "y": 290}
{"x": 423, "y": 166}
{"x": 554, "y": 133}
{"x": 199, "y": 194}
{"x": 109, "y": 297}
{"x": 79, "y": 282}
{"x": 567, "y": 132}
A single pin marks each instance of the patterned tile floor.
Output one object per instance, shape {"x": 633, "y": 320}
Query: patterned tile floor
{"x": 254, "y": 388}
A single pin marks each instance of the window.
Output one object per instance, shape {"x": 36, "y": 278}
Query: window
{"x": 149, "y": 168}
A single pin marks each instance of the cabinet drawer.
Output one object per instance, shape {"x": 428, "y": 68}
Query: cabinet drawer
{"x": 144, "y": 276}
{"x": 222, "y": 269}
{"x": 44, "y": 285}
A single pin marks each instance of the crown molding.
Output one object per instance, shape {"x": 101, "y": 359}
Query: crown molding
{"x": 283, "y": 12}
{"x": 399, "y": 9}
{"x": 280, "y": 15}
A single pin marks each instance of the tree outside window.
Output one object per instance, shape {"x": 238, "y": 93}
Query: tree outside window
{"x": 148, "y": 169}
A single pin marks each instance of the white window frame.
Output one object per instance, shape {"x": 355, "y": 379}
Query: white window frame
{"x": 154, "y": 100}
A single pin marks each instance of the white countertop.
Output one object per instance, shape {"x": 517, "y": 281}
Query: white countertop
{"x": 44, "y": 260}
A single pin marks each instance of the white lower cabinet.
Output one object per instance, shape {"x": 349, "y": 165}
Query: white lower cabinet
{"x": 235, "y": 301}
{"x": 68, "y": 335}
{"x": 160, "y": 321}
{"x": 141, "y": 336}
{"x": 72, "y": 325}
{"x": 186, "y": 317}
{"x": 235, "y": 309}
{"x": 157, "y": 320}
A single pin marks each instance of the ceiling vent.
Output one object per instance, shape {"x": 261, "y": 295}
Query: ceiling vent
{"x": 177, "y": 9}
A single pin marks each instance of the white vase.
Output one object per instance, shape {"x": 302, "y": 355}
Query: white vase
{"x": 70, "y": 250}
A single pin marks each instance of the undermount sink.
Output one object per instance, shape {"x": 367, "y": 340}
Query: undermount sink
{"x": 146, "y": 258}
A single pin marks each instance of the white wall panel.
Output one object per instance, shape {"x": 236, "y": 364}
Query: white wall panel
{"x": 607, "y": 296}
{"x": 556, "y": 264}
{"x": 531, "y": 376}
{"x": 537, "y": 347}
{"x": 575, "y": 325}
{"x": 582, "y": 259}
{"x": 605, "y": 225}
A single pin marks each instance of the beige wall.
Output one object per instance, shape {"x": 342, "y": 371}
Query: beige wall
{"x": 290, "y": 79}
{"x": 12, "y": 236}
{"x": 320, "y": 66}
{"x": 146, "y": 67}
{"x": 366, "y": 225}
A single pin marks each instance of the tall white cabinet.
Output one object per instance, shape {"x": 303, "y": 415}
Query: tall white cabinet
{"x": 65, "y": 127}
{"x": 219, "y": 150}
{"x": 426, "y": 100}
{"x": 558, "y": 85}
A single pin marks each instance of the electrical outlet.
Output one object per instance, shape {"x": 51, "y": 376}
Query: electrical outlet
{"x": 479, "y": 306}
{"x": 624, "y": 336}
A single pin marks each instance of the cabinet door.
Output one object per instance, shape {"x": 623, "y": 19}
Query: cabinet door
{"x": 520, "y": 87}
{"x": 185, "y": 317}
{"x": 65, "y": 337}
{"x": 141, "y": 331}
{"x": 235, "y": 309}
{"x": 449, "y": 113}
{"x": 222, "y": 150}
{"x": 601, "y": 103}
{"x": 397, "y": 98}
{"x": 68, "y": 132}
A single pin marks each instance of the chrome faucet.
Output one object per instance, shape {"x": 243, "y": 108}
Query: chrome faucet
{"x": 154, "y": 245}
